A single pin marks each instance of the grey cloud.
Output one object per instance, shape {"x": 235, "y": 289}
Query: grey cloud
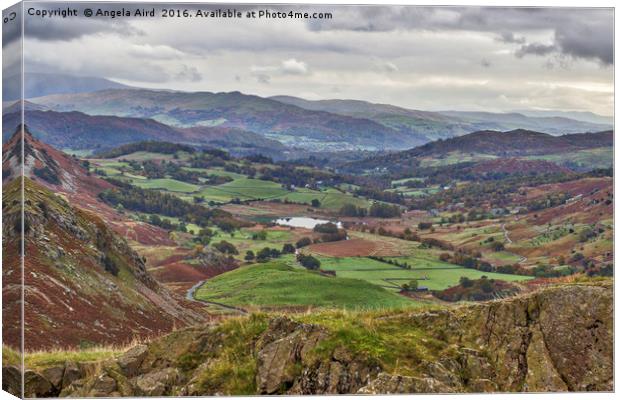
{"x": 535, "y": 49}
{"x": 263, "y": 78}
{"x": 587, "y": 42}
{"x": 579, "y": 33}
{"x": 70, "y": 28}
{"x": 509, "y": 37}
{"x": 190, "y": 74}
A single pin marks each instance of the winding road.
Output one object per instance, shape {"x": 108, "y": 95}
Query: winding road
{"x": 509, "y": 241}
{"x": 190, "y": 295}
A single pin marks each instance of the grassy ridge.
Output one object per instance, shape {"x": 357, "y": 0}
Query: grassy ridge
{"x": 276, "y": 284}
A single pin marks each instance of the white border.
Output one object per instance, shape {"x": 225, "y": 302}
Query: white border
{"x": 496, "y": 3}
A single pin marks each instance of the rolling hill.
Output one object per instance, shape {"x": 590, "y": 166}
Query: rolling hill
{"x": 442, "y": 125}
{"x": 516, "y": 143}
{"x": 313, "y": 125}
{"x": 554, "y": 125}
{"x": 79, "y": 131}
{"x": 284, "y": 122}
{"x": 42, "y": 84}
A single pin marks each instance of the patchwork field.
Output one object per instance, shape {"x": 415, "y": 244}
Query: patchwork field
{"x": 432, "y": 274}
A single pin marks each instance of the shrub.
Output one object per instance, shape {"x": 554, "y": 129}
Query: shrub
{"x": 288, "y": 248}
{"x": 226, "y": 247}
{"x": 303, "y": 242}
{"x": 308, "y": 262}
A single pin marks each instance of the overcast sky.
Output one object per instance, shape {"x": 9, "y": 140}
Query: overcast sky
{"x": 430, "y": 58}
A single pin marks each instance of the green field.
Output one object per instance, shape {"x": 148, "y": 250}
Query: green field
{"x": 329, "y": 198}
{"x": 214, "y": 171}
{"x": 242, "y": 189}
{"x": 455, "y": 158}
{"x": 602, "y": 157}
{"x": 435, "y": 275}
{"x": 146, "y": 156}
{"x": 276, "y": 284}
{"x": 170, "y": 185}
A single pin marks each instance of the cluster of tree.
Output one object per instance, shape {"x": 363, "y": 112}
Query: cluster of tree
{"x": 226, "y": 248}
{"x": 589, "y": 232}
{"x": 425, "y": 225}
{"x": 243, "y": 169}
{"x": 475, "y": 214}
{"x": 403, "y": 265}
{"x": 208, "y": 158}
{"x": 330, "y": 232}
{"x": 204, "y": 236}
{"x": 550, "y": 200}
{"x": 407, "y": 234}
{"x": 149, "y": 146}
{"x": 267, "y": 253}
{"x": 303, "y": 242}
{"x": 156, "y": 220}
{"x": 384, "y": 210}
{"x": 351, "y": 210}
{"x": 477, "y": 290}
{"x": 380, "y": 195}
{"x": 489, "y": 194}
{"x": 494, "y": 244}
{"x": 155, "y": 202}
{"x": 430, "y": 243}
{"x": 604, "y": 270}
{"x": 550, "y": 271}
{"x": 309, "y": 262}
{"x": 413, "y": 184}
{"x": 467, "y": 259}
{"x": 289, "y": 175}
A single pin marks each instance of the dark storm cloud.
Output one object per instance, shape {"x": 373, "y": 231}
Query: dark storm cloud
{"x": 50, "y": 29}
{"x": 579, "y": 33}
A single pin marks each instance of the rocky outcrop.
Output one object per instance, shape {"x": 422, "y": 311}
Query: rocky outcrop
{"x": 287, "y": 362}
{"x": 48, "y": 382}
{"x": 557, "y": 339}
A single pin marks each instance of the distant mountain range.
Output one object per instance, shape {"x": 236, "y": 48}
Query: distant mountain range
{"x": 43, "y": 84}
{"x": 585, "y": 116}
{"x": 446, "y": 124}
{"x": 327, "y": 125}
{"x": 286, "y": 123}
{"x": 509, "y": 121}
{"x": 80, "y": 131}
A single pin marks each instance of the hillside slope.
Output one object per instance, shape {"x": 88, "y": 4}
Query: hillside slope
{"x": 78, "y": 267}
{"x": 555, "y": 339}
